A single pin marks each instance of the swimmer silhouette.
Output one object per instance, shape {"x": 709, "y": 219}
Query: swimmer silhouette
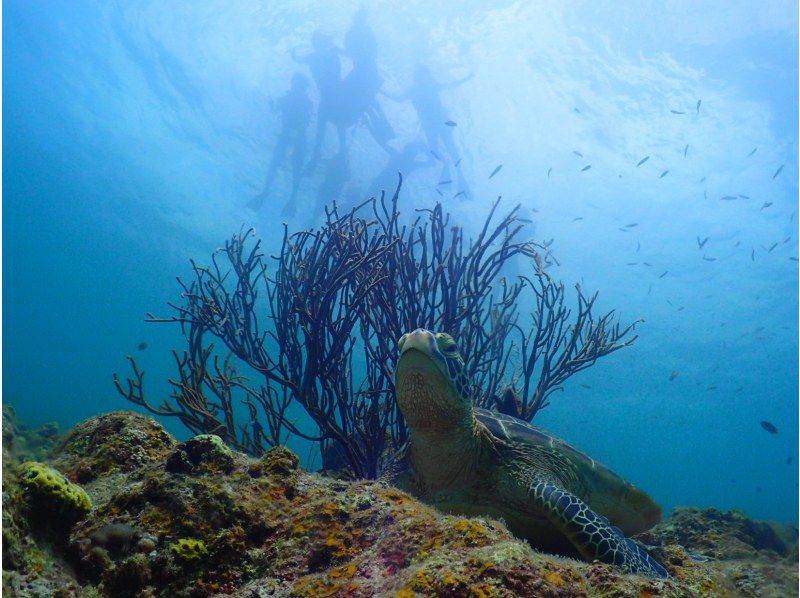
{"x": 295, "y": 110}
{"x": 361, "y": 85}
{"x": 326, "y": 69}
{"x": 424, "y": 97}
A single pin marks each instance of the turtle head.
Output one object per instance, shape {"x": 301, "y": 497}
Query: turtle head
{"x": 433, "y": 391}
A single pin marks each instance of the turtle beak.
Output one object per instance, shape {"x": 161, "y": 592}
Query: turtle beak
{"x": 422, "y": 340}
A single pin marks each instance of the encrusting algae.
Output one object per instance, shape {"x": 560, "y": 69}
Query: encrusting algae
{"x": 47, "y": 490}
{"x": 197, "y": 519}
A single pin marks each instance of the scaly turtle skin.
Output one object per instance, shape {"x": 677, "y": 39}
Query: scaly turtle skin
{"x": 482, "y": 463}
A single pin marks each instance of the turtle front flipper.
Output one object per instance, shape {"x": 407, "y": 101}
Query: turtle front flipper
{"x": 592, "y": 535}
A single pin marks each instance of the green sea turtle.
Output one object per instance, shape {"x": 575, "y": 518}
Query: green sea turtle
{"x": 482, "y": 463}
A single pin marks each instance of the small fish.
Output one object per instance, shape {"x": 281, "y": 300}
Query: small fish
{"x": 737, "y": 243}
{"x": 709, "y": 259}
{"x": 585, "y": 168}
{"x": 777, "y": 172}
{"x": 769, "y": 427}
{"x": 464, "y": 193}
{"x": 677, "y": 112}
{"x": 681, "y": 308}
{"x": 495, "y": 171}
{"x": 753, "y": 151}
{"x": 649, "y": 288}
{"x": 435, "y": 155}
{"x": 648, "y": 264}
{"x": 450, "y": 123}
{"x": 664, "y": 273}
{"x": 773, "y": 246}
{"x": 632, "y": 263}
{"x": 686, "y": 149}
{"x": 440, "y": 192}
{"x": 631, "y": 225}
{"x": 786, "y": 240}
{"x": 457, "y": 163}
{"x": 642, "y": 161}
{"x": 669, "y": 303}
{"x": 141, "y": 346}
{"x": 766, "y": 204}
{"x": 585, "y": 386}
{"x": 705, "y": 194}
{"x": 576, "y": 110}
{"x": 788, "y": 460}
{"x": 752, "y": 255}
{"x": 701, "y": 243}
{"x": 578, "y": 218}
{"x": 698, "y": 106}
{"x": 711, "y": 388}
{"x": 703, "y": 180}
{"x": 674, "y": 375}
{"x": 549, "y": 170}
{"x": 638, "y": 246}
{"x": 663, "y": 174}
{"x": 744, "y": 196}
{"x": 728, "y": 197}
{"x": 525, "y": 220}
{"x": 577, "y": 153}
{"x": 624, "y": 230}
{"x": 444, "y": 182}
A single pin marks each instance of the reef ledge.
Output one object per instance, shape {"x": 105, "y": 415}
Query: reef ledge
{"x": 195, "y": 518}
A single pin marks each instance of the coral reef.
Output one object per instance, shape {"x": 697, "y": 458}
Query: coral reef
{"x": 224, "y": 523}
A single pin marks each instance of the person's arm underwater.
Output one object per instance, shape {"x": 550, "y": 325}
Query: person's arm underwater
{"x": 456, "y": 83}
{"x": 397, "y": 97}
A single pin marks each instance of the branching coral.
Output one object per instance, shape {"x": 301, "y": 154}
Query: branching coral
{"x": 319, "y": 323}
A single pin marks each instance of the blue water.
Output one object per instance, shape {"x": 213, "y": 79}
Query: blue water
{"x": 135, "y": 133}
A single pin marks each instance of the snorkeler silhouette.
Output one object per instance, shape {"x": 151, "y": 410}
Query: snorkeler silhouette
{"x": 433, "y": 117}
{"x": 295, "y": 109}
{"x": 361, "y": 85}
{"x": 326, "y": 69}
{"x": 349, "y": 101}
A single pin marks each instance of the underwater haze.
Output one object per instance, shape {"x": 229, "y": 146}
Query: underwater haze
{"x": 655, "y": 143}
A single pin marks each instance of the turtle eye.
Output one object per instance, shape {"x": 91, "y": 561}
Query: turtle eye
{"x": 446, "y": 343}
{"x": 402, "y": 341}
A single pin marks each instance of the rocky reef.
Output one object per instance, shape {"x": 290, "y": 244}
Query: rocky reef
{"x": 118, "y": 507}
